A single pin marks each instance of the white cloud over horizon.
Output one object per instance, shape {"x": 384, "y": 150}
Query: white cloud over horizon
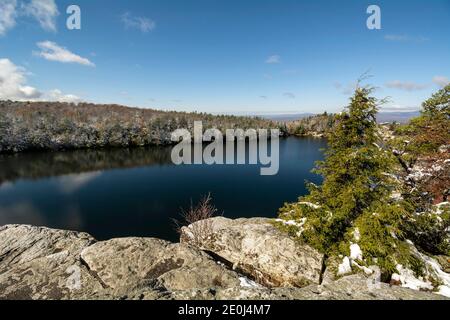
{"x": 13, "y": 81}
{"x": 53, "y": 52}
{"x": 57, "y": 95}
{"x": 141, "y": 23}
{"x": 13, "y": 86}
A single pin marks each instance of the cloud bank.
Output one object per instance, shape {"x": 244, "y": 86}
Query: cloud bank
{"x": 13, "y": 86}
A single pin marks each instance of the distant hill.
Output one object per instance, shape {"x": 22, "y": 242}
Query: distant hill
{"x": 286, "y": 117}
{"x": 322, "y": 124}
{"x": 400, "y": 117}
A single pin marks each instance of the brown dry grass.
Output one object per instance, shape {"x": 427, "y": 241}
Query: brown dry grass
{"x": 198, "y": 219}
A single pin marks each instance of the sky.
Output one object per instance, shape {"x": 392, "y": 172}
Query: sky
{"x": 224, "y": 56}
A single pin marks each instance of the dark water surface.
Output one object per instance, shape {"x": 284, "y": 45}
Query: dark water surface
{"x": 136, "y": 192}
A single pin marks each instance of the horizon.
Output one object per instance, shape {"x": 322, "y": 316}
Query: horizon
{"x": 224, "y": 57}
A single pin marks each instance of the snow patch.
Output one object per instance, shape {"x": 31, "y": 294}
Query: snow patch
{"x": 345, "y": 267}
{"x": 366, "y": 270}
{"x": 247, "y": 283}
{"x": 444, "y": 291}
{"x": 406, "y": 277}
{"x": 355, "y": 252}
{"x": 293, "y": 223}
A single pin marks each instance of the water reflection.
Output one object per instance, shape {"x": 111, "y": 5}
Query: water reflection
{"x": 48, "y": 164}
{"x": 136, "y": 192}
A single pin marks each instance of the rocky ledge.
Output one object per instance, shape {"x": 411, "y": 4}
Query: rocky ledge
{"x": 229, "y": 259}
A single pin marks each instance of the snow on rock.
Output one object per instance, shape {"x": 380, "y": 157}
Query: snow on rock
{"x": 345, "y": 267}
{"x": 355, "y": 252}
{"x": 247, "y": 283}
{"x": 366, "y": 270}
{"x": 433, "y": 268}
{"x": 443, "y": 277}
{"x": 444, "y": 291}
{"x": 408, "y": 280}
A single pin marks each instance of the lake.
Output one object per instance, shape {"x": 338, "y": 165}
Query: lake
{"x": 137, "y": 192}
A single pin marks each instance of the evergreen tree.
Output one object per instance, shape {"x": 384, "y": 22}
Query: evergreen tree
{"x": 353, "y": 205}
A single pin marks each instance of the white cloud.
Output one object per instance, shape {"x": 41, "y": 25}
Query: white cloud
{"x": 13, "y": 86}
{"x": 13, "y": 83}
{"x": 273, "y": 59}
{"x": 53, "y": 52}
{"x": 44, "y": 11}
{"x": 141, "y": 23}
{"x": 441, "y": 81}
{"x": 8, "y": 15}
{"x": 57, "y": 95}
{"x": 405, "y": 85}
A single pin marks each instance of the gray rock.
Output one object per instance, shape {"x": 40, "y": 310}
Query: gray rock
{"x": 353, "y": 287}
{"x": 41, "y": 263}
{"x": 257, "y": 248}
{"x": 124, "y": 263}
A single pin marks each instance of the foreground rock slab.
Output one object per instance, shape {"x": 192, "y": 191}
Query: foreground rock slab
{"x": 41, "y": 263}
{"x": 258, "y": 249}
{"x": 354, "y": 287}
{"x": 125, "y": 263}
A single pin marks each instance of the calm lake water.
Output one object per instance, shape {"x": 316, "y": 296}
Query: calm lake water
{"x": 137, "y": 192}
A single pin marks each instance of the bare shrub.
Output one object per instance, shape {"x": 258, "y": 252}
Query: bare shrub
{"x": 197, "y": 218}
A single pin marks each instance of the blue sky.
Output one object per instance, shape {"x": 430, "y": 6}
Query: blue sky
{"x": 230, "y": 56}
